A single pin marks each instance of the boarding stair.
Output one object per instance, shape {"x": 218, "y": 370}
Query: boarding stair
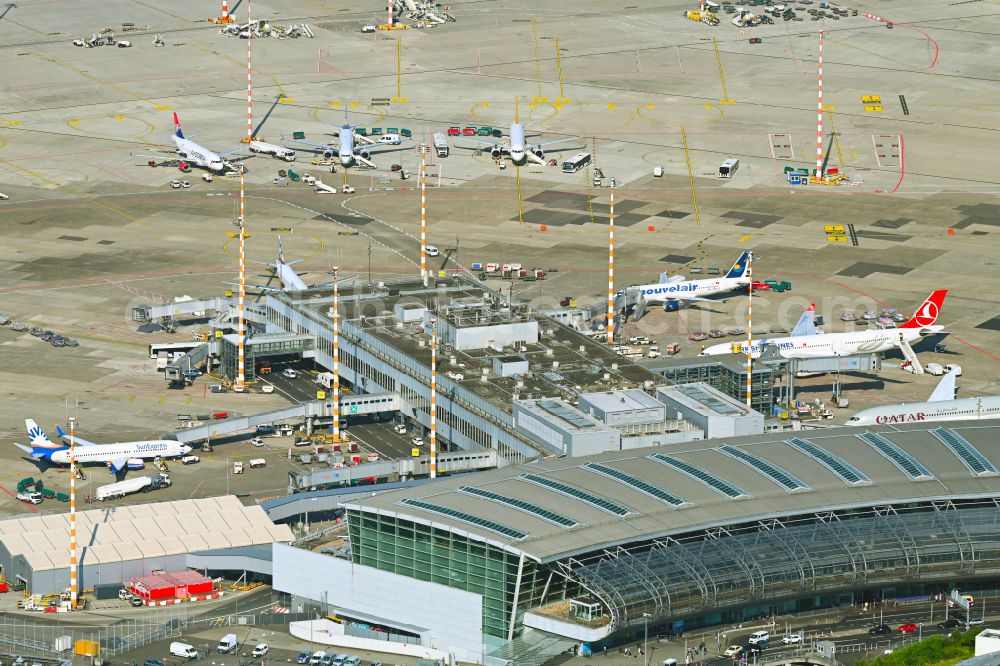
{"x": 912, "y": 363}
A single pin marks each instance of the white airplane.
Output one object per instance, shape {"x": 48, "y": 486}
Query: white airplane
{"x": 350, "y": 153}
{"x": 192, "y": 153}
{"x": 290, "y": 280}
{"x": 116, "y": 456}
{"x": 825, "y": 345}
{"x": 517, "y": 148}
{"x": 940, "y": 406}
{"x": 672, "y": 290}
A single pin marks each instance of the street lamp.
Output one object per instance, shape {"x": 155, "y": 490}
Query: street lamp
{"x": 645, "y": 639}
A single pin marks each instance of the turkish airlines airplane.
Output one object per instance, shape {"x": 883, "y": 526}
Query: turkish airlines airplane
{"x": 116, "y": 456}
{"x": 940, "y": 406}
{"x": 825, "y": 345}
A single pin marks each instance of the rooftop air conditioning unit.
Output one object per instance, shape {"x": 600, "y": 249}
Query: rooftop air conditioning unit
{"x": 607, "y": 376}
{"x": 555, "y": 365}
{"x": 519, "y": 383}
{"x": 582, "y": 348}
{"x": 549, "y": 352}
{"x": 614, "y": 366}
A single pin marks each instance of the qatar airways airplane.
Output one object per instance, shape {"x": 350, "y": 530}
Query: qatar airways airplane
{"x": 826, "y": 345}
{"x": 940, "y": 406}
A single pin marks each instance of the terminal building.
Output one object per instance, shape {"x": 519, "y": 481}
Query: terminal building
{"x": 516, "y": 564}
{"x": 500, "y": 365}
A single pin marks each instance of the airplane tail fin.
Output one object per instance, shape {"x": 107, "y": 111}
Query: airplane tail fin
{"x": 928, "y": 311}
{"x": 281, "y": 252}
{"x": 37, "y": 437}
{"x": 515, "y": 111}
{"x": 177, "y": 127}
{"x": 945, "y": 390}
{"x": 741, "y": 266}
{"x": 807, "y": 322}
{"x": 664, "y": 278}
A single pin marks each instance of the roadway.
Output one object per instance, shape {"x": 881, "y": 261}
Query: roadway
{"x": 847, "y": 629}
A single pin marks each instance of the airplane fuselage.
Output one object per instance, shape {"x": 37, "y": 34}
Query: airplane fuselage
{"x": 102, "y": 453}
{"x": 826, "y": 345}
{"x": 986, "y": 407}
{"x": 345, "y": 153}
{"x": 198, "y": 155}
{"x": 518, "y": 148}
{"x": 290, "y": 280}
{"x": 666, "y": 291}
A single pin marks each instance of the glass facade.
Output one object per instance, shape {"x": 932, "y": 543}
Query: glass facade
{"x": 427, "y": 553}
{"x": 731, "y": 381}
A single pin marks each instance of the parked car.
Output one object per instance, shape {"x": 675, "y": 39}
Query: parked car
{"x": 950, "y": 623}
{"x": 288, "y": 372}
{"x": 432, "y": 251}
{"x": 303, "y": 657}
{"x": 907, "y": 628}
{"x": 880, "y": 630}
{"x": 317, "y": 657}
{"x": 136, "y": 601}
{"x": 176, "y": 184}
{"x": 257, "y": 441}
{"x": 733, "y": 651}
{"x": 190, "y": 460}
{"x": 792, "y": 639}
{"x": 260, "y": 650}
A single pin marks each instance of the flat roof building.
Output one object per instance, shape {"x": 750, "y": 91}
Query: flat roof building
{"x": 119, "y": 543}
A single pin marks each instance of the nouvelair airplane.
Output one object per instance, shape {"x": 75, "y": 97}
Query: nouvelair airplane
{"x": 824, "y": 345}
{"x": 940, "y": 406}
{"x": 195, "y": 154}
{"x": 116, "y": 456}
{"x": 517, "y": 148}
{"x": 676, "y": 288}
{"x": 348, "y": 152}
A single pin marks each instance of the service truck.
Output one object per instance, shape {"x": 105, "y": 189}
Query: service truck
{"x": 265, "y": 148}
{"x": 129, "y": 486}
{"x": 325, "y": 379}
{"x": 440, "y": 144}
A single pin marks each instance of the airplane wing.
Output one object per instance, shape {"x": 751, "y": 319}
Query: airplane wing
{"x": 484, "y": 143}
{"x": 161, "y": 156}
{"x": 807, "y": 323}
{"x": 234, "y": 150}
{"x": 320, "y": 146}
{"x": 118, "y": 464}
{"x": 387, "y": 148}
{"x": 549, "y": 143}
{"x": 945, "y": 390}
{"x": 76, "y": 438}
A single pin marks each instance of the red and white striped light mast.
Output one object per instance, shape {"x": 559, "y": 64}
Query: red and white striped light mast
{"x": 611, "y": 268}
{"x": 819, "y": 114}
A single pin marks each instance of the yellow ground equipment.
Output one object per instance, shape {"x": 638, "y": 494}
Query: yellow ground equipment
{"x": 702, "y": 15}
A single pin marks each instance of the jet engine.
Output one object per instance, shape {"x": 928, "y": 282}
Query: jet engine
{"x": 496, "y": 153}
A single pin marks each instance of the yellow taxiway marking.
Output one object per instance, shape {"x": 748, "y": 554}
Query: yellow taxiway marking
{"x": 31, "y": 173}
{"x": 80, "y": 72}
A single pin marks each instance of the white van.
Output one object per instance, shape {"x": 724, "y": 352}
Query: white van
{"x": 317, "y": 657}
{"x": 183, "y": 650}
{"x": 227, "y": 644}
{"x": 390, "y": 139}
{"x": 758, "y": 637}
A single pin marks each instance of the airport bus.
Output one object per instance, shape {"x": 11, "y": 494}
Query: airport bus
{"x": 729, "y": 168}
{"x": 575, "y": 163}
